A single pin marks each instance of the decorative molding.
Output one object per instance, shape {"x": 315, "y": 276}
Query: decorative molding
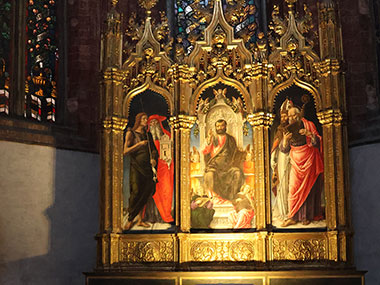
{"x": 300, "y": 247}
{"x": 260, "y": 119}
{"x": 330, "y": 117}
{"x": 206, "y": 251}
{"x": 146, "y": 251}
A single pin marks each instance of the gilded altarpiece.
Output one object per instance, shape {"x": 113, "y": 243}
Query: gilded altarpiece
{"x": 219, "y": 109}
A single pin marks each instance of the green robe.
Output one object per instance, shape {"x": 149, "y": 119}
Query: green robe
{"x": 142, "y": 186}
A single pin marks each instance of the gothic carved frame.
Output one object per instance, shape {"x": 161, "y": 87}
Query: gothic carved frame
{"x": 259, "y": 82}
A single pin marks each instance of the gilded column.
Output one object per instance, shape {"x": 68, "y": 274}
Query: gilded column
{"x": 182, "y": 125}
{"x": 335, "y": 181}
{"x": 334, "y": 127}
{"x": 112, "y": 126}
{"x": 335, "y": 148}
{"x": 261, "y": 122}
{"x": 179, "y": 123}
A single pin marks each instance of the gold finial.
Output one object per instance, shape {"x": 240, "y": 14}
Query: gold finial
{"x": 147, "y": 5}
{"x": 291, "y": 4}
{"x": 114, "y": 2}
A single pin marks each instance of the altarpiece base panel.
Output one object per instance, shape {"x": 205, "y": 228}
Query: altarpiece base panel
{"x": 260, "y": 248}
{"x": 228, "y": 159}
{"x": 338, "y": 277}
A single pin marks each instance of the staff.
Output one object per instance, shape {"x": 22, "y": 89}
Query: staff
{"x": 150, "y": 150}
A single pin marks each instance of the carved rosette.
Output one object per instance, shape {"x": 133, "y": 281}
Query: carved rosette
{"x": 223, "y": 247}
{"x": 205, "y": 251}
{"x": 304, "y": 250}
{"x": 300, "y": 247}
{"x": 146, "y": 251}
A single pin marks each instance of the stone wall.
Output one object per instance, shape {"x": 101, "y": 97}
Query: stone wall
{"x": 365, "y": 197}
{"x": 48, "y": 214}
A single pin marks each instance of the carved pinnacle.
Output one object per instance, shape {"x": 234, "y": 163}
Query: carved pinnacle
{"x": 147, "y": 5}
{"x": 290, "y": 4}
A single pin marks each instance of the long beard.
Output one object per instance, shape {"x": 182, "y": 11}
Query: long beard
{"x": 298, "y": 119}
{"x": 156, "y": 132}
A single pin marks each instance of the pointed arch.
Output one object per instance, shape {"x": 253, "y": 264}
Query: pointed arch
{"x": 294, "y": 80}
{"x": 220, "y": 78}
{"x": 148, "y": 85}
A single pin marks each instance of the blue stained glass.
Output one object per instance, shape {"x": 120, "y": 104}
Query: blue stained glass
{"x": 191, "y": 25}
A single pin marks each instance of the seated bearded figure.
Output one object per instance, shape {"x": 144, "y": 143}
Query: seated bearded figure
{"x": 223, "y": 173}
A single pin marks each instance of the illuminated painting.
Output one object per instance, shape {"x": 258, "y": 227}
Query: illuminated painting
{"x": 148, "y": 166}
{"x": 297, "y": 162}
{"x": 221, "y": 165}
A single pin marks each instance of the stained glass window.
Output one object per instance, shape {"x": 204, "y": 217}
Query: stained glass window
{"x": 188, "y": 21}
{"x": 41, "y": 61}
{"x": 247, "y": 21}
{"x": 192, "y": 18}
{"x": 5, "y": 41}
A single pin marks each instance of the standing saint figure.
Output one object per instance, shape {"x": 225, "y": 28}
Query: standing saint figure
{"x": 143, "y": 156}
{"x": 304, "y": 145}
{"x": 163, "y": 198}
{"x": 280, "y": 164}
{"x": 223, "y": 173}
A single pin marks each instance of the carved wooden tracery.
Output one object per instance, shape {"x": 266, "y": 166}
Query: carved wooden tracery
{"x": 288, "y": 59}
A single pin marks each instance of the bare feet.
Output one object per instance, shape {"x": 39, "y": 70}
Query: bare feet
{"x": 288, "y": 222}
{"x": 129, "y": 226}
{"x": 306, "y": 222}
{"x": 143, "y": 224}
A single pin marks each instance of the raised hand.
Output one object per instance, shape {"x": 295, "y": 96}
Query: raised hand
{"x": 305, "y": 132}
{"x": 209, "y": 136}
{"x": 287, "y": 136}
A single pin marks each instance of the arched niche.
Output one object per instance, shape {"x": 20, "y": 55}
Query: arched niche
{"x": 148, "y": 86}
{"x": 157, "y": 213}
{"x": 294, "y": 81}
{"x": 222, "y": 103}
{"x": 293, "y": 162}
{"x": 220, "y": 79}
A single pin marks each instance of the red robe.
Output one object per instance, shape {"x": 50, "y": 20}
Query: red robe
{"x": 241, "y": 219}
{"x": 163, "y": 197}
{"x": 307, "y": 164}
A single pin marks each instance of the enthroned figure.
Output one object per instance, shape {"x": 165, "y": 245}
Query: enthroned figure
{"x": 223, "y": 173}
